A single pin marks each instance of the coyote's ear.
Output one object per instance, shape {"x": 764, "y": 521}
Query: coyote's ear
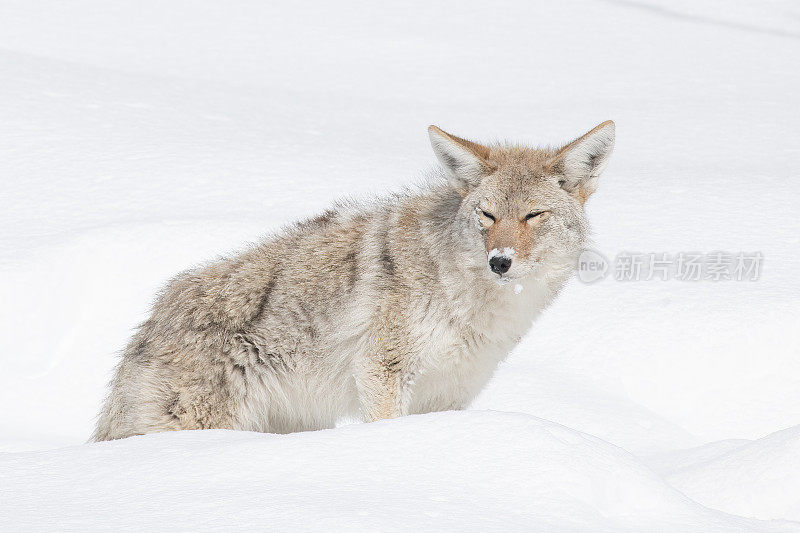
{"x": 580, "y": 163}
{"x": 466, "y": 162}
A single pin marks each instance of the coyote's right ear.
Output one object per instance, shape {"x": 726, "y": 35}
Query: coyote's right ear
{"x": 466, "y": 162}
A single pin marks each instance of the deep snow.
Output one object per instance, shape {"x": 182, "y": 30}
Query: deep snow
{"x": 472, "y": 471}
{"x": 140, "y": 138}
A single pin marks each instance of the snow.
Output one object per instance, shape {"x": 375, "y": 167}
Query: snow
{"x": 758, "y": 478}
{"x": 140, "y": 138}
{"x": 350, "y": 479}
{"x": 505, "y": 252}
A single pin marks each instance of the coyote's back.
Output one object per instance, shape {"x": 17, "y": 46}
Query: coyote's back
{"x": 379, "y": 309}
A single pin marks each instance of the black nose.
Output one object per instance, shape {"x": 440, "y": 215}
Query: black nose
{"x": 500, "y": 264}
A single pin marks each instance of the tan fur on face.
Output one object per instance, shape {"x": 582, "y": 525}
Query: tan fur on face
{"x": 518, "y": 172}
{"x": 516, "y": 234}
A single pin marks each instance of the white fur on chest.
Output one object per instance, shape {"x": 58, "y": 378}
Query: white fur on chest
{"x": 456, "y": 359}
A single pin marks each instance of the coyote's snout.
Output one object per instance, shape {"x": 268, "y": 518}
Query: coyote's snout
{"x": 384, "y": 308}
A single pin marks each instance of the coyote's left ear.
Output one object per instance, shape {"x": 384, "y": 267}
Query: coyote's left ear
{"x": 579, "y": 164}
{"x": 466, "y": 162}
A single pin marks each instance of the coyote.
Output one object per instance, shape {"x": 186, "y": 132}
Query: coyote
{"x": 373, "y": 309}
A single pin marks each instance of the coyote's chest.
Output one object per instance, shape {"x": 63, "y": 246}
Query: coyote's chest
{"x": 455, "y": 361}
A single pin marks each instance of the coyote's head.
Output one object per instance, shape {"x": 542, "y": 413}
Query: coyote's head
{"x": 524, "y": 205}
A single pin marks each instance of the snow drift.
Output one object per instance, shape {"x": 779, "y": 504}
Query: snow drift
{"x": 473, "y": 471}
{"x": 759, "y": 479}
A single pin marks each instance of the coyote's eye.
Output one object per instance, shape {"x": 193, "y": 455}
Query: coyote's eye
{"x": 535, "y": 214}
{"x": 488, "y": 215}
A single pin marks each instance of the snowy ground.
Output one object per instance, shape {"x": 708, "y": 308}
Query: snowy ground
{"x": 140, "y": 138}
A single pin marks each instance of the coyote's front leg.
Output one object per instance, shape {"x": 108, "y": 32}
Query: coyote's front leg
{"x": 382, "y": 378}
